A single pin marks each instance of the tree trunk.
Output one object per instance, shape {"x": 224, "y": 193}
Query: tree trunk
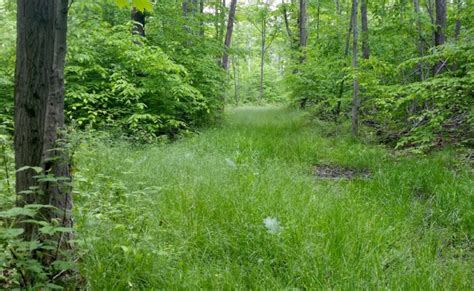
{"x": 262, "y": 57}
{"x": 421, "y": 49}
{"x": 228, "y": 35}
{"x": 318, "y": 20}
{"x": 355, "y": 66}
{"x": 457, "y": 28}
{"x": 287, "y": 25}
{"x": 440, "y": 31}
{"x": 365, "y": 29}
{"x": 302, "y": 25}
{"x": 430, "y": 9}
{"x": 201, "y": 15}
{"x": 39, "y": 111}
{"x": 138, "y": 18}
{"x": 346, "y": 53}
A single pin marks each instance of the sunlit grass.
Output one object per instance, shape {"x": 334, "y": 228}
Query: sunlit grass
{"x": 191, "y": 214}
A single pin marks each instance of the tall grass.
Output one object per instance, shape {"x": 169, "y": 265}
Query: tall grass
{"x": 190, "y": 215}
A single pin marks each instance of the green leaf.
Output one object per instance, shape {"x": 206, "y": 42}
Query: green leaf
{"x": 18, "y": 211}
{"x": 11, "y": 232}
{"x": 142, "y": 5}
{"x": 122, "y": 3}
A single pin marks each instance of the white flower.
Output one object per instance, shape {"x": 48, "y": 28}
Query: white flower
{"x": 230, "y": 163}
{"x": 272, "y": 225}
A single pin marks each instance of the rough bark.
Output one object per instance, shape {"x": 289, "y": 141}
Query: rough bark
{"x": 39, "y": 110}
{"x": 355, "y": 66}
{"x": 365, "y": 29}
{"x": 228, "y": 35}
{"x": 139, "y": 21}
{"x": 440, "y": 33}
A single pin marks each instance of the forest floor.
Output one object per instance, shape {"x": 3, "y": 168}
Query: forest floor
{"x": 272, "y": 200}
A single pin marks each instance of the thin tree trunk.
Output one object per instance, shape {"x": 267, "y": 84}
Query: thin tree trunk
{"x": 228, "y": 35}
{"x": 39, "y": 111}
{"x": 421, "y": 49}
{"x": 201, "y": 15}
{"x": 365, "y": 29}
{"x": 287, "y": 24}
{"x": 262, "y": 57}
{"x": 440, "y": 33}
{"x": 302, "y": 24}
{"x": 236, "y": 80}
{"x": 355, "y": 66}
{"x": 346, "y": 53}
{"x": 457, "y": 29}
{"x": 318, "y": 20}
{"x": 430, "y": 9}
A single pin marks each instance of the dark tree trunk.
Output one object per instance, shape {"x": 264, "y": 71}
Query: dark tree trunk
{"x": 355, "y": 65}
{"x": 440, "y": 33}
{"x": 228, "y": 35}
{"x": 365, "y": 29}
{"x": 39, "y": 110}
{"x": 139, "y": 20}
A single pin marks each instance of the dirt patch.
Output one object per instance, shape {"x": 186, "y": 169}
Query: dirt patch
{"x": 338, "y": 172}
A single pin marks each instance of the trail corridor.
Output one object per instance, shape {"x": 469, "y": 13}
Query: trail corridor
{"x": 240, "y": 206}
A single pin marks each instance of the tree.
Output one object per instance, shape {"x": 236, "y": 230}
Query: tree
{"x": 440, "y": 32}
{"x": 228, "y": 35}
{"x": 39, "y": 109}
{"x": 365, "y": 29}
{"x": 43, "y": 175}
{"x": 355, "y": 66}
{"x": 262, "y": 19}
{"x": 302, "y": 26}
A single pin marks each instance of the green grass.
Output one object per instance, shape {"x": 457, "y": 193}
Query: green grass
{"x": 190, "y": 214}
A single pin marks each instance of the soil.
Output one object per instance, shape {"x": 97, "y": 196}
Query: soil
{"x": 338, "y": 172}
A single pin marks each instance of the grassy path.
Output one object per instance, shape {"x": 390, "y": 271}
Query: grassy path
{"x": 190, "y": 215}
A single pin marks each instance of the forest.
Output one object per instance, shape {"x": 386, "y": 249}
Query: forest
{"x": 236, "y": 145}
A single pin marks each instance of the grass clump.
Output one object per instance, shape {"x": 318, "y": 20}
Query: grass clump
{"x": 191, "y": 214}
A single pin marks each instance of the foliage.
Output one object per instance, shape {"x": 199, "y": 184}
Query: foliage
{"x": 403, "y": 101}
{"x": 194, "y": 214}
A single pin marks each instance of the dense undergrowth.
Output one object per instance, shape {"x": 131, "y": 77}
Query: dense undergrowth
{"x": 190, "y": 214}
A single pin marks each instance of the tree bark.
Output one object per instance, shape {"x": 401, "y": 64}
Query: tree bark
{"x": 346, "y": 53}
{"x": 365, "y": 29}
{"x": 457, "y": 27}
{"x": 262, "y": 57}
{"x": 287, "y": 25}
{"x": 139, "y": 20}
{"x": 228, "y": 35}
{"x": 39, "y": 110}
{"x": 440, "y": 33}
{"x": 302, "y": 25}
{"x": 416, "y": 5}
{"x": 318, "y": 20}
{"x": 355, "y": 66}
